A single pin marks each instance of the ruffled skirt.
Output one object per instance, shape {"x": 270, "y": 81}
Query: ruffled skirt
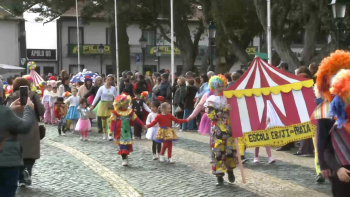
{"x": 165, "y": 134}
{"x": 83, "y": 125}
{"x": 152, "y": 133}
{"x": 73, "y": 113}
{"x": 205, "y": 125}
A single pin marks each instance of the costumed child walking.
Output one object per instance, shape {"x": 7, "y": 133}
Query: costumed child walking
{"x": 152, "y": 132}
{"x": 84, "y": 124}
{"x": 165, "y": 134}
{"x": 60, "y": 110}
{"x": 222, "y": 144}
{"x": 46, "y": 102}
{"x": 139, "y": 106}
{"x": 53, "y": 99}
{"x": 73, "y": 114}
{"x": 121, "y": 117}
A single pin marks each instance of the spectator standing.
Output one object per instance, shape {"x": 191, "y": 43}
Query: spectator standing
{"x": 30, "y": 142}
{"x": 179, "y": 97}
{"x": 189, "y": 75}
{"x": 234, "y": 77}
{"x": 210, "y": 74}
{"x": 155, "y": 88}
{"x": 11, "y": 158}
{"x": 191, "y": 91}
{"x": 64, "y": 87}
{"x": 142, "y": 84}
{"x": 164, "y": 86}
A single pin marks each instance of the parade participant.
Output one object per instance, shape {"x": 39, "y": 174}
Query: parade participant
{"x": 64, "y": 87}
{"x": 91, "y": 96}
{"x": 106, "y": 94}
{"x": 72, "y": 113}
{"x": 139, "y": 106}
{"x": 223, "y": 148}
{"x": 83, "y": 125}
{"x": 165, "y": 134}
{"x": 144, "y": 96}
{"x": 46, "y": 102}
{"x": 120, "y": 125}
{"x": 327, "y": 69}
{"x": 60, "y": 113}
{"x": 42, "y": 87}
{"x": 337, "y": 149}
{"x": 84, "y": 89}
{"x": 152, "y": 132}
{"x": 53, "y": 99}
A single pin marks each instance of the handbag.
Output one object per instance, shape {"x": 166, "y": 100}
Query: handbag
{"x": 178, "y": 109}
{"x": 110, "y": 104}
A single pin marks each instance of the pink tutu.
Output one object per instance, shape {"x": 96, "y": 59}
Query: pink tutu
{"x": 205, "y": 125}
{"x": 83, "y": 125}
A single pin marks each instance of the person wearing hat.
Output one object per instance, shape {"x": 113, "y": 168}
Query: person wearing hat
{"x": 60, "y": 113}
{"x": 120, "y": 125}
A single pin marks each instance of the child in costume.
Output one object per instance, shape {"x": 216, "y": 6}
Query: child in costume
{"x": 53, "y": 99}
{"x": 60, "y": 111}
{"x": 84, "y": 124}
{"x": 46, "y": 102}
{"x": 144, "y": 96}
{"x": 73, "y": 114}
{"x": 337, "y": 149}
{"x": 152, "y": 132}
{"x": 139, "y": 106}
{"x": 223, "y": 148}
{"x": 121, "y": 117}
{"x": 165, "y": 134}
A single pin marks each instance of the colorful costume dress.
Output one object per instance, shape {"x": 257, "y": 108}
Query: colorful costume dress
{"x": 120, "y": 125}
{"x": 73, "y": 113}
{"x": 223, "y": 147}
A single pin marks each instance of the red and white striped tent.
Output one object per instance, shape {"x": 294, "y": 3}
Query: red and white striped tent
{"x": 291, "y": 96}
{"x": 36, "y": 77}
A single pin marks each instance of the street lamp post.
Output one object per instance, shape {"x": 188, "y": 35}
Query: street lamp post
{"x": 211, "y": 35}
{"x": 339, "y": 10}
{"x": 158, "y": 56}
{"x": 101, "y": 50}
{"x": 143, "y": 44}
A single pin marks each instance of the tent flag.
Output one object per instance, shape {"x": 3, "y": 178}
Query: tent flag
{"x": 290, "y": 96}
{"x": 36, "y": 77}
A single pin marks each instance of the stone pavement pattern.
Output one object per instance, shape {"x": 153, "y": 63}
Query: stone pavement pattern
{"x": 58, "y": 173}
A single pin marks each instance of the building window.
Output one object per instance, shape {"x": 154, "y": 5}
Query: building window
{"x": 72, "y": 35}
{"x": 150, "y": 68}
{"x": 150, "y": 35}
{"x": 109, "y": 69}
{"x": 48, "y": 69}
{"x": 73, "y": 68}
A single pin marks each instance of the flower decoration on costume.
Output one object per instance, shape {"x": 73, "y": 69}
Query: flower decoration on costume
{"x": 217, "y": 82}
{"x": 144, "y": 94}
{"x": 66, "y": 94}
{"x": 327, "y": 69}
{"x": 31, "y": 65}
{"x": 42, "y": 84}
{"x": 340, "y": 88}
{"x": 122, "y": 101}
{"x": 28, "y": 77}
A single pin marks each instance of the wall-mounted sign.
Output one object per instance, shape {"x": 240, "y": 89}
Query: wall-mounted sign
{"x": 88, "y": 49}
{"x": 251, "y": 50}
{"x": 41, "y": 54}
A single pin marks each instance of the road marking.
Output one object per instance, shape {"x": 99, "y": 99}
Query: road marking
{"x": 121, "y": 185}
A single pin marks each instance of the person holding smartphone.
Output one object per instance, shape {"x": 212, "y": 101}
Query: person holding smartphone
{"x": 11, "y": 158}
{"x": 30, "y": 142}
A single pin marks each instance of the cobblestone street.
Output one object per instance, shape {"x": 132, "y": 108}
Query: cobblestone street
{"x": 70, "y": 167}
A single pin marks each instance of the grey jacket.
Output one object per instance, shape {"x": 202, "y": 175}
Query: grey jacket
{"x": 11, "y": 125}
{"x": 30, "y": 142}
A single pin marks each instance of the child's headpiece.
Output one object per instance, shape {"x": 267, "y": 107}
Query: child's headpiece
{"x": 66, "y": 94}
{"x": 340, "y": 89}
{"x": 217, "y": 81}
{"x": 161, "y": 99}
{"x": 28, "y": 77}
{"x": 42, "y": 84}
{"x": 144, "y": 94}
{"x": 327, "y": 69}
{"x": 52, "y": 78}
{"x": 122, "y": 101}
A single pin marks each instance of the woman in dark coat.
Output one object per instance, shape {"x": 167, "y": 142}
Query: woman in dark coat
{"x": 30, "y": 142}
{"x": 191, "y": 91}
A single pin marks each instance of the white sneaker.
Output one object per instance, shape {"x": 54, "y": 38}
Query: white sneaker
{"x": 171, "y": 161}
{"x": 125, "y": 162}
{"x": 86, "y": 139}
{"x": 155, "y": 157}
{"x": 104, "y": 136}
{"x": 256, "y": 160}
{"x": 110, "y": 138}
{"x": 63, "y": 133}
{"x": 81, "y": 138}
{"x": 161, "y": 158}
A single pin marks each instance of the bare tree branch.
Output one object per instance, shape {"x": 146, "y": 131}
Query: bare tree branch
{"x": 165, "y": 36}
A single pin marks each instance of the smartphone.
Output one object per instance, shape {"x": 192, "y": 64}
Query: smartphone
{"x": 23, "y": 95}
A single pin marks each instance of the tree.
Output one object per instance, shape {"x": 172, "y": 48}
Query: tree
{"x": 292, "y": 17}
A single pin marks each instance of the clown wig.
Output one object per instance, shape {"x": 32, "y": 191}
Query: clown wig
{"x": 217, "y": 82}
{"x": 42, "y": 84}
{"x": 328, "y": 68}
{"x": 340, "y": 89}
{"x": 28, "y": 77}
{"x": 144, "y": 94}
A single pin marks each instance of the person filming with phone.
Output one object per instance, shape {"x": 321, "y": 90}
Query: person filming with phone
{"x": 29, "y": 142}
{"x": 10, "y": 151}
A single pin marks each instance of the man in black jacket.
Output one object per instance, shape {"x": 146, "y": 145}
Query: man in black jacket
{"x": 164, "y": 86}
